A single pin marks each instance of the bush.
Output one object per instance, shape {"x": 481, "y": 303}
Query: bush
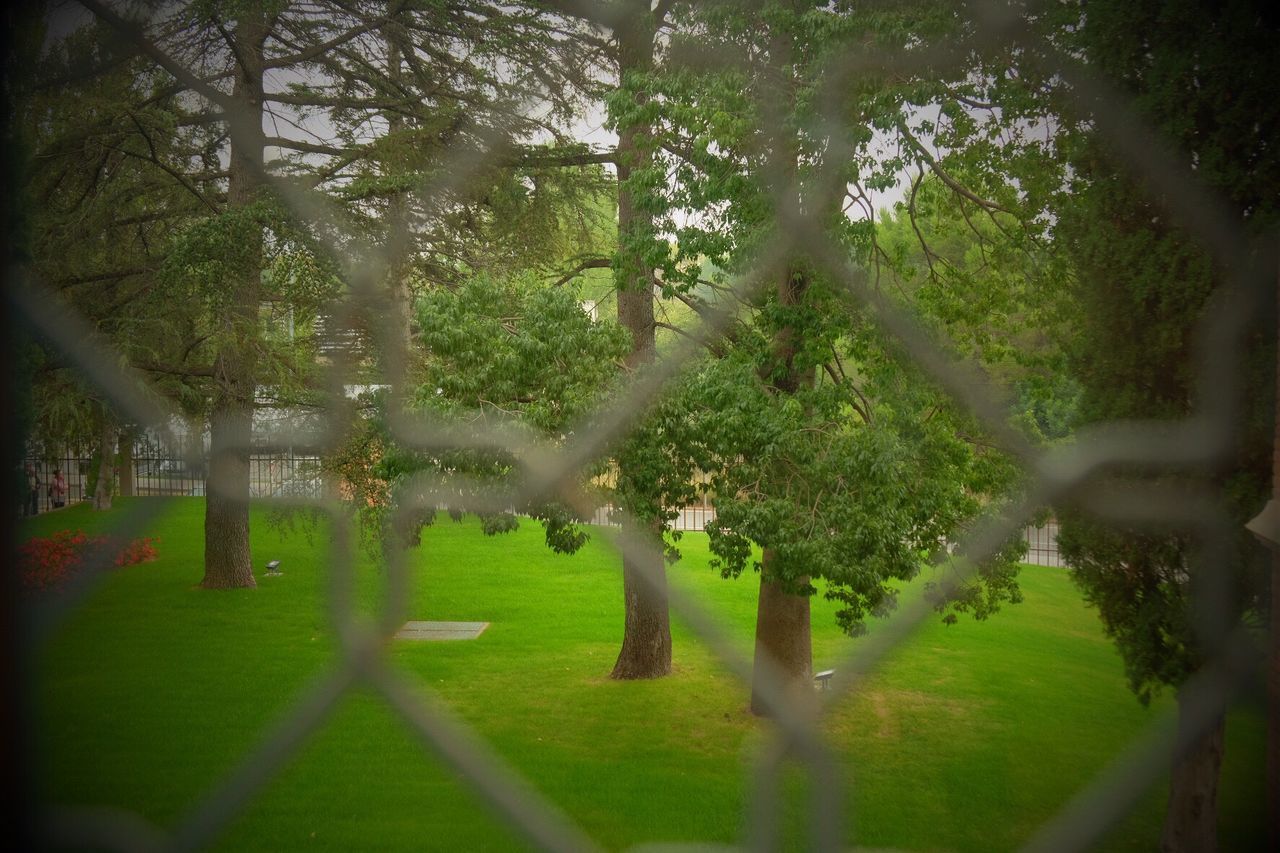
{"x": 45, "y": 562}
{"x": 138, "y": 551}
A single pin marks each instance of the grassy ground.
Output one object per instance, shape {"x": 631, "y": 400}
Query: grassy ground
{"x": 966, "y": 739}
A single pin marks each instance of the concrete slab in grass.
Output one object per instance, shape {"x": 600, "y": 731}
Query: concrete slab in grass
{"x": 441, "y": 630}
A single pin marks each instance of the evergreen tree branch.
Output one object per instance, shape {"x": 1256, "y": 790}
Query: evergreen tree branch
{"x": 148, "y": 48}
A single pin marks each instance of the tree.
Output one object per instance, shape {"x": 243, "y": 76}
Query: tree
{"x": 1200, "y": 74}
{"x": 461, "y": 73}
{"x": 410, "y": 92}
{"x": 101, "y": 222}
{"x": 509, "y": 353}
{"x": 448, "y": 179}
{"x": 649, "y": 480}
{"x": 994, "y": 292}
{"x": 829, "y": 450}
{"x": 646, "y": 638}
{"x": 167, "y": 149}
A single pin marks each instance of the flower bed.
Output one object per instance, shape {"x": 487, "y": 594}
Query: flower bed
{"x": 47, "y": 561}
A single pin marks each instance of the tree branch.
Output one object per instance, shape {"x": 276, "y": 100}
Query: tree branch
{"x": 589, "y": 264}
{"x": 911, "y": 215}
{"x": 699, "y": 307}
{"x": 170, "y": 370}
{"x": 712, "y": 345}
{"x": 563, "y": 158}
{"x": 946, "y": 178}
{"x": 318, "y": 50}
{"x": 308, "y": 147}
{"x": 134, "y": 34}
{"x": 72, "y": 281}
{"x": 175, "y": 174}
{"x": 231, "y": 43}
{"x": 607, "y": 15}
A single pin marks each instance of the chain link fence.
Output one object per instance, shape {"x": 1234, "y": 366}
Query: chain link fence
{"x": 797, "y": 736}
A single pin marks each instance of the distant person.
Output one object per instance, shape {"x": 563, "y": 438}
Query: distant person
{"x": 58, "y": 489}
{"x": 32, "y": 505}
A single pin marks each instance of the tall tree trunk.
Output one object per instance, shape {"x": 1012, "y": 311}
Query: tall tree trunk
{"x": 227, "y": 559}
{"x": 783, "y": 641}
{"x": 646, "y": 639}
{"x": 1191, "y": 819}
{"x": 397, "y": 350}
{"x": 106, "y": 460}
{"x": 782, "y": 618}
{"x": 124, "y": 461}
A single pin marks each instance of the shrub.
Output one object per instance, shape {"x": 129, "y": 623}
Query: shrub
{"x": 138, "y": 551}
{"x": 48, "y": 561}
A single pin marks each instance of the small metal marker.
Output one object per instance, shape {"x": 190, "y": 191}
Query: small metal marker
{"x": 273, "y": 567}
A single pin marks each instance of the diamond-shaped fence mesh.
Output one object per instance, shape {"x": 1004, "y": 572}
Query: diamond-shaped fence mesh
{"x": 797, "y": 736}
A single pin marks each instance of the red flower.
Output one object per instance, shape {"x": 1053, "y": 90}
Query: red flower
{"x": 49, "y": 561}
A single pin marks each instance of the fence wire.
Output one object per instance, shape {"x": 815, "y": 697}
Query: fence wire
{"x": 797, "y": 736}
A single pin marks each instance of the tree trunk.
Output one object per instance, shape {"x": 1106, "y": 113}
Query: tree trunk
{"x": 1191, "y": 820}
{"x": 646, "y": 639}
{"x": 106, "y": 458}
{"x": 124, "y": 461}
{"x": 782, "y": 619}
{"x": 227, "y": 559}
{"x": 397, "y": 342}
{"x": 783, "y": 638}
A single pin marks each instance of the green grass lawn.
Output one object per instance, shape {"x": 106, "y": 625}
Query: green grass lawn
{"x": 966, "y": 738}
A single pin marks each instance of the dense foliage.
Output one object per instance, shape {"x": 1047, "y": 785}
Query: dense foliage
{"x": 502, "y": 355}
{"x": 824, "y": 445}
{"x": 1200, "y": 73}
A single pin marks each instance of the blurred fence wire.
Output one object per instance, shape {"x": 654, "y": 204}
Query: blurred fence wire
{"x": 798, "y": 736}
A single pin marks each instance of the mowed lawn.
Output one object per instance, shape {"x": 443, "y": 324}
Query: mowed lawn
{"x": 966, "y": 738}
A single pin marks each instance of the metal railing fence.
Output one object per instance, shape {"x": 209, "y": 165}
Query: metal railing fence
{"x": 1042, "y": 540}
{"x": 271, "y": 475}
{"x": 286, "y": 475}
{"x": 1042, "y": 544}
